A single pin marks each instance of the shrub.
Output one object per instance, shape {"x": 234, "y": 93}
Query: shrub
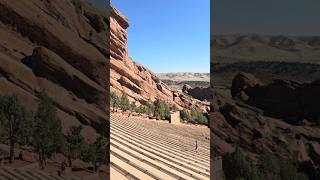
{"x": 149, "y": 108}
{"x": 133, "y": 106}
{"x": 124, "y": 102}
{"x": 313, "y": 172}
{"x": 157, "y": 80}
{"x": 185, "y": 115}
{"x": 275, "y": 168}
{"x": 161, "y": 109}
{"x": 237, "y": 166}
{"x": 114, "y": 101}
{"x": 141, "y": 109}
{"x": 198, "y": 117}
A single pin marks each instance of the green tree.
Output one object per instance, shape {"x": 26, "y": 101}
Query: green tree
{"x": 96, "y": 153}
{"x": 237, "y": 166}
{"x": 47, "y": 136}
{"x": 75, "y": 144}
{"x": 289, "y": 171}
{"x": 161, "y": 109}
{"x": 185, "y": 115}
{"x": 100, "y": 151}
{"x": 26, "y": 128}
{"x": 274, "y": 168}
{"x": 132, "y": 107}
{"x": 198, "y": 118}
{"x": 141, "y": 109}
{"x": 124, "y": 102}
{"x": 114, "y": 100}
{"x": 13, "y": 117}
{"x": 149, "y": 108}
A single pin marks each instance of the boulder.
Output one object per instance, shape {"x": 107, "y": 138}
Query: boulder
{"x": 242, "y": 84}
{"x": 186, "y": 88}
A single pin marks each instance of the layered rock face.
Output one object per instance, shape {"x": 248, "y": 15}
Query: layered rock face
{"x": 268, "y": 118}
{"x": 59, "y": 47}
{"x": 281, "y": 98}
{"x": 127, "y": 76}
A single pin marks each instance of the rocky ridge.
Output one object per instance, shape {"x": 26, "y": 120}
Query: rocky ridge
{"x": 257, "y": 47}
{"x": 58, "y": 47}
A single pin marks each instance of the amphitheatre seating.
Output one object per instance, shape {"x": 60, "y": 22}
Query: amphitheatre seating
{"x": 7, "y": 173}
{"x": 150, "y": 149}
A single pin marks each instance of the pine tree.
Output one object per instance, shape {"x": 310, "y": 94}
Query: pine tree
{"x": 75, "y": 143}
{"x": 124, "y": 102}
{"x": 96, "y": 153}
{"x": 114, "y": 100}
{"x": 13, "y": 118}
{"x": 47, "y": 136}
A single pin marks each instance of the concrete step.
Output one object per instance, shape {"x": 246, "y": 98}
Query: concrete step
{"x": 145, "y": 139}
{"x": 154, "y": 130}
{"x": 115, "y": 175}
{"x": 125, "y": 168}
{"x": 169, "y": 168}
{"x": 140, "y": 150}
{"x": 161, "y": 154}
{"x": 162, "y": 140}
{"x": 142, "y": 166}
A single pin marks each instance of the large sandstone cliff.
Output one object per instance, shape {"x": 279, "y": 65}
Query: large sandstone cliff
{"x": 279, "y": 118}
{"x": 127, "y": 76}
{"x": 58, "y": 47}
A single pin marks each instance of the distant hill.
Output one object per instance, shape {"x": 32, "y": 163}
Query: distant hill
{"x": 222, "y": 74}
{"x": 185, "y": 76}
{"x": 253, "y": 47}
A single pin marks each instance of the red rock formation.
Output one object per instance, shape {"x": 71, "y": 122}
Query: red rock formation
{"x": 281, "y": 98}
{"x": 241, "y": 123}
{"x": 132, "y": 78}
{"x": 59, "y": 47}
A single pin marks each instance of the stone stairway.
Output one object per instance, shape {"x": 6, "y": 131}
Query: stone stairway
{"x": 7, "y": 173}
{"x": 149, "y": 149}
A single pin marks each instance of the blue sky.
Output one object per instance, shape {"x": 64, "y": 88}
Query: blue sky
{"x": 286, "y": 17}
{"x": 168, "y": 35}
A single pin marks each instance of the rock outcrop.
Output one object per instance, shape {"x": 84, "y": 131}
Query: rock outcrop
{"x": 127, "y": 76}
{"x": 200, "y": 93}
{"x": 61, "y": 48}
{"x": 281, "y": 98}
{"x": 275, "y": 118}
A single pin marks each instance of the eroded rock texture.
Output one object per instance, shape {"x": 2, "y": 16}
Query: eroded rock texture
{"x": 279, "y": 118}
{"x": 60, "y": 47}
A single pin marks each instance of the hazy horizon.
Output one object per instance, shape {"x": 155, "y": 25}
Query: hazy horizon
{"x": 285, "y": 17}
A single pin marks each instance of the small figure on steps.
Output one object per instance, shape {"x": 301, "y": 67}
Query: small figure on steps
{"x": 63, "y": 168}
{"x": 20, "y": 155}
{"x": 196, "y": 145}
